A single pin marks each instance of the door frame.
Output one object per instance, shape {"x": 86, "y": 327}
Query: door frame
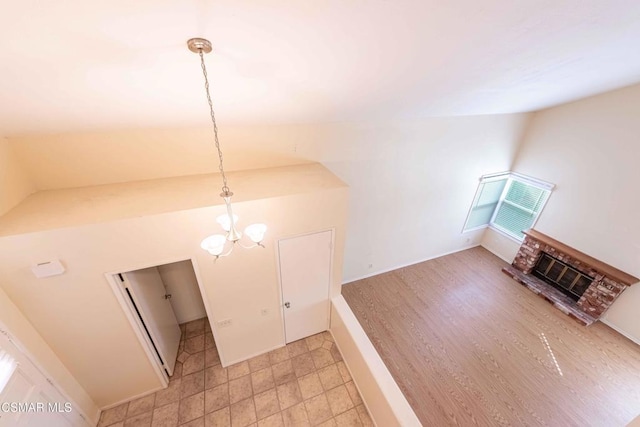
{"x": 13, "y": 340}
{"x": 279, "y": 274}
{"x": 136, "y": 324}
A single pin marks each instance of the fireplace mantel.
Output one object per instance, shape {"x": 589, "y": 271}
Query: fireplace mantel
{"x": 606, "y": 269}
{"x": 607, "y": 283}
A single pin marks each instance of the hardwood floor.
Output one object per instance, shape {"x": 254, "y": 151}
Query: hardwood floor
{"x": 469, "y": 346}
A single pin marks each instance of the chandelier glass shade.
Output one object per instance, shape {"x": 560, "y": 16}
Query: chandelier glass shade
{"x": 216, "y": 243}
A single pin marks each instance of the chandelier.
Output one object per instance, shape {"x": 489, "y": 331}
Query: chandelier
{"x": 216, "y": 243}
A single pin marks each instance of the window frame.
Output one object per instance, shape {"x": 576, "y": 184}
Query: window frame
{"x": 481, "y": 181}
{"x": 510, "y": 177}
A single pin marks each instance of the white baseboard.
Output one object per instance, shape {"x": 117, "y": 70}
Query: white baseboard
{"x": 192, "y": 318}
{"x": 410, "y": 263}
{"x": 137, "y": 396}
{"x": 233, "y": 362}
{"x": 499, "y": 255}
{"x": 620, "y": 331}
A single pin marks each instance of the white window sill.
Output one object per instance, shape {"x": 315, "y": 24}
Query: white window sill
{"x": 505, "y": 234}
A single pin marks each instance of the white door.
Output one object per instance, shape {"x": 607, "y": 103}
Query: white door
{"x": 29, "y": 398}
{"x": 305, "y": 274}
{"x": 147, "y": 292}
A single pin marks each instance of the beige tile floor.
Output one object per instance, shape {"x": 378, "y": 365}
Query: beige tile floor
{"x": 305, "y": 383}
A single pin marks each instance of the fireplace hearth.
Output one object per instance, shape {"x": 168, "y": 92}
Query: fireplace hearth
{"x": 579, "y": 285}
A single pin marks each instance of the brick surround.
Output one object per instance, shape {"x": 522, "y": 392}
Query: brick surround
{"x": 607, "y": 285}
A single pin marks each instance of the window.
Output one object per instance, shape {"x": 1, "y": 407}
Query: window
{"x": 7, "y": 366}
{"x": 508, "y": 202}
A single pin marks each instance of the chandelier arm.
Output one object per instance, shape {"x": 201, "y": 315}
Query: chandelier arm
{"x": 255, "y": 245}
{"x": 224, "y": 255}
{"x": 225, "y": 187}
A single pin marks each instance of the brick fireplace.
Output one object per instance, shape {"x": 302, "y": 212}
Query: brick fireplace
{"x": 577, "y": 284}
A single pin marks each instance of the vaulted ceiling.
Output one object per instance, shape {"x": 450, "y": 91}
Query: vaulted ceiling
{"x": 79, "y": 65}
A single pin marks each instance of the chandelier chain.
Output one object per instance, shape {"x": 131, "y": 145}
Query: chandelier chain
{"x": 225, "y": 187}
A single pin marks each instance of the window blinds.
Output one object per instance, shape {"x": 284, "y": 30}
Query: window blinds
{"x": 520, "y": 207}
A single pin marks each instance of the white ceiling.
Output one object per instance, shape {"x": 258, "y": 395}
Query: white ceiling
{"x": 96, "y": 65}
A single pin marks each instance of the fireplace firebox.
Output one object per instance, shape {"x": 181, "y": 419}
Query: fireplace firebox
{"x": 562, "y": 276}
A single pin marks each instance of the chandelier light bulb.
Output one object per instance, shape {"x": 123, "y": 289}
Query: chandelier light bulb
{"x": 224, "y": 221}
{"x": 256, "y": 232}
{"x": 214, "y": 244}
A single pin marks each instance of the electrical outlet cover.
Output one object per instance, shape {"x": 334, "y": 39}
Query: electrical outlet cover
{"x": 224, "y": 323}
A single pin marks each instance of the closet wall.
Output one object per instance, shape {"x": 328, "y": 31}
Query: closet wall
{"x": 180, "y": 281}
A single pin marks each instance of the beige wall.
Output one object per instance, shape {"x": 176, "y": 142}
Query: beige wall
{"x": 411, "y": 182}
{"x": 180, "y": 282}
{"x": 124, "y": 156}
{"x": 500, "y": 245}
{"x": 590, "y": 150}
{"x": 15, "y": 184}
{"x": 21, "y": 328}
{"x": 78, "y": 314}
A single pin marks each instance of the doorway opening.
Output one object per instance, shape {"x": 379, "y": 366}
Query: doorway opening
{"x": 165, "y": 305}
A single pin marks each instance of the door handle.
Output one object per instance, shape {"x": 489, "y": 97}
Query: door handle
{"x": 287, "y": 304}
{"x": 167, "y": 296}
